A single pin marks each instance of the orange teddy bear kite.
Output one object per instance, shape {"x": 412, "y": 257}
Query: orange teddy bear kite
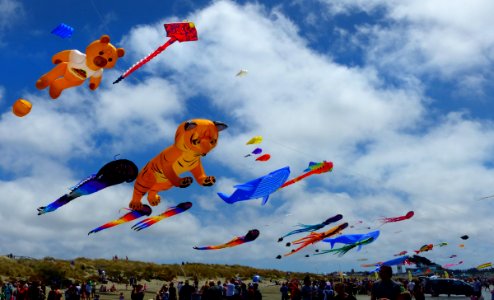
{"x": 193, "y": 139}
{"x": 73, "y": 67}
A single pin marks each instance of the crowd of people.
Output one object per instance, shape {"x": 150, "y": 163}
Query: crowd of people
{"x": 210, "y": 290}
{"x": 235, "y": 289}
{"x": 384, "y": 288}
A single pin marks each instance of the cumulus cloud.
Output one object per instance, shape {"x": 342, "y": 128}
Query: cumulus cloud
{"x": 445, "y": 39}
{"x": 390, "y": 156}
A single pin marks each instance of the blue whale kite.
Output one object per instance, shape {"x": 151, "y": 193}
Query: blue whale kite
{"x": 257, "y": 188}
{"x": 352, "y": 238}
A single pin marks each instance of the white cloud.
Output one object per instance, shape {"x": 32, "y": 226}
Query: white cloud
{"x": 390, "y": 156}
{"x": 10, "y": 12}
{"x": 443, "y": 38}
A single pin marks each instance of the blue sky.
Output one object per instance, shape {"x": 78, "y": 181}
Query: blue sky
{"x": 398, "y": 94}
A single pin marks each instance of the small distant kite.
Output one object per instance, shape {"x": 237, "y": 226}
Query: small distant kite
{"x": 425, "y": 248}
{"x": 63, "y": 30}
{"x": 314, "y": 168}
{"x": 464, "y": 237}
{"x": 452, "y": 265}
{"x": 21, "y": 107}
{"x": 442, "y": 244}
{"x": 182, "y": 32}
{"x": 114, "y": 172}
{"x": 128, "y": 217}
{"x": 484, "y": 266}
{"x": 249, "y": 237}
{"x": 264, "y": 157}
{"x": 171, "y": 211}
{"x": 461, "y": 245}
{"x": 453, "y": 256}
{"x": 259, "y": 187}
{"x": 408, "y": 215}
{"x": 401, "y": 253}
{"x": 255, "y": 151}
{"x": 242, "y": 73}
{"x": 308, "y": 228}
{"x": 255, "y": 140}
{"x": 392, "y": 262}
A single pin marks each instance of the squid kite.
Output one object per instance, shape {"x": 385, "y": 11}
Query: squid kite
{"x": 171, "y": 211}
{"x": 130, "y": 216}
{"x": 314, "y": 168}
{"x": 408, "y": 215}
{"x": 182, "y": 32}
{"x": 352, "y": 239}
{"x": 315, "y": 237}
{"x": 343, "y": 250}
{"x": 114, "y": 172}
{"x": 249, "y": 237}
{"x": 307, "y": 228}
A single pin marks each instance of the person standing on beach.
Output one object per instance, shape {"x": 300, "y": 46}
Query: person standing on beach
{"x": 385, "y": 288}
{"x": 172, "y": 292}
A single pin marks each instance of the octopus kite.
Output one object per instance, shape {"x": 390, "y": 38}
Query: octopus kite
{"x": 239, "y": 240}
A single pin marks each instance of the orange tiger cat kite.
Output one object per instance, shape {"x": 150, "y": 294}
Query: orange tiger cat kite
{"x": 193, "y": 139}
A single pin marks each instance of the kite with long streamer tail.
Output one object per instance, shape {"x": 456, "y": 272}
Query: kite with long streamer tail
{"x": 484, "y": 266}
{"x": 182, "y": 32}
{"x": 112, "y": 173}
{"x": 452, "y": 265}
{"x": 308, "y": 228}
{"x": 341, "y": 251}
{"x": 249, "y": 237}
{"x": 314, "y": 168}
{"x": 130, "y": 216}
{"x": 407, "y": 216}
{"x": 171, "y": 211}
{"x": 315, "y": 237}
